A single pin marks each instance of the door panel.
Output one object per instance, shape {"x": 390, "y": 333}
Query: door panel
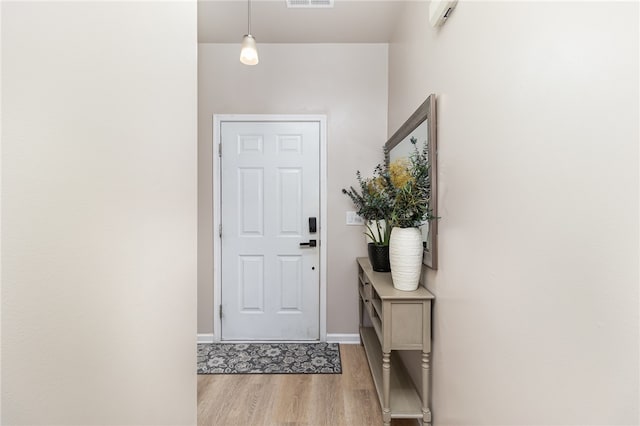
{"x": 289, "y": 202}
{"x": 270, "y": 187}
{"x": 290, "y": 280}
{"x": 250, "y": 202}
{"x": 251, "y": 283}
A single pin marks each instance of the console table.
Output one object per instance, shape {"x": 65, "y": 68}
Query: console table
{"x": 397, "y": 320}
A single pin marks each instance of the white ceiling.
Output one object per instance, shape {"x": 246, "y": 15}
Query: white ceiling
{"x": 355, "y": 21}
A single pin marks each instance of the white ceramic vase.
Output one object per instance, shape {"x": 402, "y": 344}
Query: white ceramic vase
{"x": 405, "y": 257}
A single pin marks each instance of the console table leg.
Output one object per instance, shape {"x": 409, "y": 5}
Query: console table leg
{"x": 386, "y": 374}
{"x": 426, "y": 413}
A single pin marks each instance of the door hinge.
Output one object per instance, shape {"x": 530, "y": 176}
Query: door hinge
{"x": 220, "y": 149}
{"x": 220, "y": 230}
{"x": 220, "y": 311}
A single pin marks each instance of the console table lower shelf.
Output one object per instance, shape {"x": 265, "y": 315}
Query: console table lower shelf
{"x": 404, "y": 401}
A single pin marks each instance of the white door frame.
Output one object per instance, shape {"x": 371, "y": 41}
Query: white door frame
{"x": 217, "y": 210}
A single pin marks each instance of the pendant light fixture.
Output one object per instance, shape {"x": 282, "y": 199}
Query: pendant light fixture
{"x": 249, "y": 52}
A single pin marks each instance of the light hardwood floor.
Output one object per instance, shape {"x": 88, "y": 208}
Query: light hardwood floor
{"x": 347, "y": 399}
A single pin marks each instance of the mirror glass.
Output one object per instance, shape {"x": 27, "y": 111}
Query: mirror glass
{"x": 422, "y": 126}
{"x": 404, "y": 150}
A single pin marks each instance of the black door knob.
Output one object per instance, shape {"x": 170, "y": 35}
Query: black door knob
{"x": 311, "y": 243}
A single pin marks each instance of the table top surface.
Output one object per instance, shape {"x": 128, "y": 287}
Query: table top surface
{"x": 383, "y": 284}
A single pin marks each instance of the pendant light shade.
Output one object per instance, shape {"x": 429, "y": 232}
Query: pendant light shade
{"x": 249, "y": 52}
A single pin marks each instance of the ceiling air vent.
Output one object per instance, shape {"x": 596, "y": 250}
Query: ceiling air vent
{"x": 310, "y": 3}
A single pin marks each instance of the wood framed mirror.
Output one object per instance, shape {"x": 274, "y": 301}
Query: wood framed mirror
{"x": 422, "y": 126}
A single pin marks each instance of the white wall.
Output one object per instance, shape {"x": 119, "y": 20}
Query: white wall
{"x": 348, "y": 83}
{"x": 536, "y": 315}
{"x": 99, "y": 213}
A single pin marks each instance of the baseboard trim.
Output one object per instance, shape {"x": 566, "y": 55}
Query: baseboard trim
{"x": 347, "y": 339}
{"x": 205, "y": 337}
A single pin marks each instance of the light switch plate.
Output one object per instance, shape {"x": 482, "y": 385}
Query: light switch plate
{"x": 354, "y": 219}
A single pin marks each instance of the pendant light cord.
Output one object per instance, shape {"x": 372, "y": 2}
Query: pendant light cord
{"x": 249, "y": 20}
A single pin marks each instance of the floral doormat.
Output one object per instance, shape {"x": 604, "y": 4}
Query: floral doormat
{"x": 269, "y": 358}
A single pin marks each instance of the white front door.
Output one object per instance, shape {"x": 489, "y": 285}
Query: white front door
{"x": 270, "y": 197}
